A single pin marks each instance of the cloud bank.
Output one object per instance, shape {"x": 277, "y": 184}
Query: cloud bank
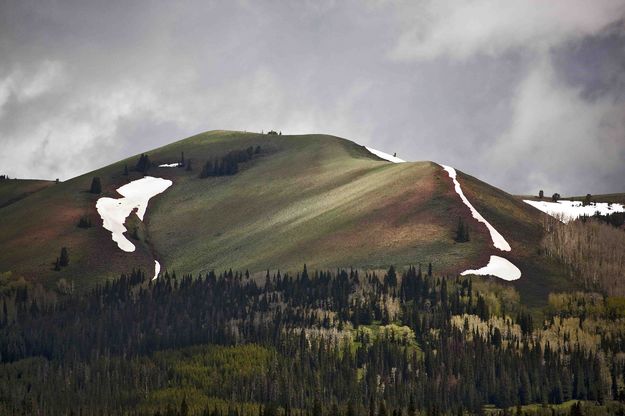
{"x": 525, "y": 95}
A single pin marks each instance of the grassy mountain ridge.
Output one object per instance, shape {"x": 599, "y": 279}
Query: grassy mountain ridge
{"x": 313, "y": 199}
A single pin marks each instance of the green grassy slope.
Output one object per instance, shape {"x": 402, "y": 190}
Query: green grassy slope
{"x": 313, "y": 199}
{"x": 309, "y": 199}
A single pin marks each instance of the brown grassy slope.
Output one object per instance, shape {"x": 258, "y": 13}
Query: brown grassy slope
{"x": 35, "y": 228}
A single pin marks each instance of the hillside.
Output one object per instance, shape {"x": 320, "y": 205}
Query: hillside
{"x": 314, "y": 199}
{"x": 12, "y": 190}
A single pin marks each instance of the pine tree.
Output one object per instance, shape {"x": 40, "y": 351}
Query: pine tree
{"x": 125, "y": 170}
{"x": 84, "y": 222}
{"x": 541, "y": 194}
{"x": 96, "y": 186}
{"x": 64, "y": 259}
{"x": 143, "y": 164}
{"x": 462, "y": 232}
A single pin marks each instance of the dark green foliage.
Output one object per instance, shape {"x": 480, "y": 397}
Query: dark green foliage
{"x": 143, "y": 164}
{"x": 228, "y": 164}
{"x": 84, "y": 222}
{"x": 272, "y": 132}
{"x": 587, "y": 200}
{"x": 541, "y": 194}
{"x": 4, "y": 177}
{"x": 462, "y": 232}
{"x": 189, "y": 166}
{"x": 105, "y": 351}
{"x": 64, "y": 258}
{"x": 125, "y": 170}
{"x": 96, "y": 186}
{"x": 555, "y": 197}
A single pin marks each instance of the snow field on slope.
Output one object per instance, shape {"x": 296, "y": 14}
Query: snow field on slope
{"x": 385, "y": 156}
{"x": 569, "y": 210}
{"x": 498, "y": 240}
{"x": 136, "y": 195}
{"x": 499, "y": 267}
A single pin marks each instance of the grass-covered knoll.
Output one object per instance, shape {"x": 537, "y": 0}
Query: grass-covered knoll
{"x": 309, "y": 199}
{"x": 314, "y": 199}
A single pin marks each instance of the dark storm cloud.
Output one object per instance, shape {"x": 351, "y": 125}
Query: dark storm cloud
{"x": 521, "y": 94}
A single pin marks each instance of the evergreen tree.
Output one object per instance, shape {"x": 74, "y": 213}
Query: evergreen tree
{"x": 96, "y": 186}
{"x": 64, "y": 258}
{"x": 462, "y": 232}
{"x": 143, "y": 164}
{"x": 84, "y": 222}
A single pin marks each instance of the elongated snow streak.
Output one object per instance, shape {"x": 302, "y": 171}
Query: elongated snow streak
{"x": 136, "y": 196}
{"x": 498, "y": 267}
{"x": 498, "y": 240}
{"x": 385, "y": 156}
{"x": 157, "y": 269}
{"x": 566, "y": 211}
{"x": 169, "y": 165}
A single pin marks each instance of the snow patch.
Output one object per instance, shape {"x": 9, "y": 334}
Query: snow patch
{"x": 385, "y": 156}
{"x": 498, "y": 240}
{"x": 157, "y": 269}
{"x": 136, "y": 196}
{"x": 169, "y": 165}
{"x": 498, "y": 267}
{"x": 566, "y": 211}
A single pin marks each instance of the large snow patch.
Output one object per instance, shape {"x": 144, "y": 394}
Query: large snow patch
{"x": 385, "y": 156}
{"x": 136, "y": 196}
{"x": 569, "y": 210}
{"x": 498, "y": 267}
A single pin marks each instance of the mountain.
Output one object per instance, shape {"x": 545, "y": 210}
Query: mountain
{"x": 309, "y": 199}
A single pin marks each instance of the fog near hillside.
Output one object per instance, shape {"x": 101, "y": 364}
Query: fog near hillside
{"x": 524, "y": 95}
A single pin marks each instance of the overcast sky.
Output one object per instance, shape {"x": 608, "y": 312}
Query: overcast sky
{"x": 522, "y": 94}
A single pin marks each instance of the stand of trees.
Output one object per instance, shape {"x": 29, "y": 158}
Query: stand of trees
{"x": 592, "y": 249}
{"x": 342, "y": 342}
{"x": 143, "y": 164}
{"x": 228, "y": 164}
